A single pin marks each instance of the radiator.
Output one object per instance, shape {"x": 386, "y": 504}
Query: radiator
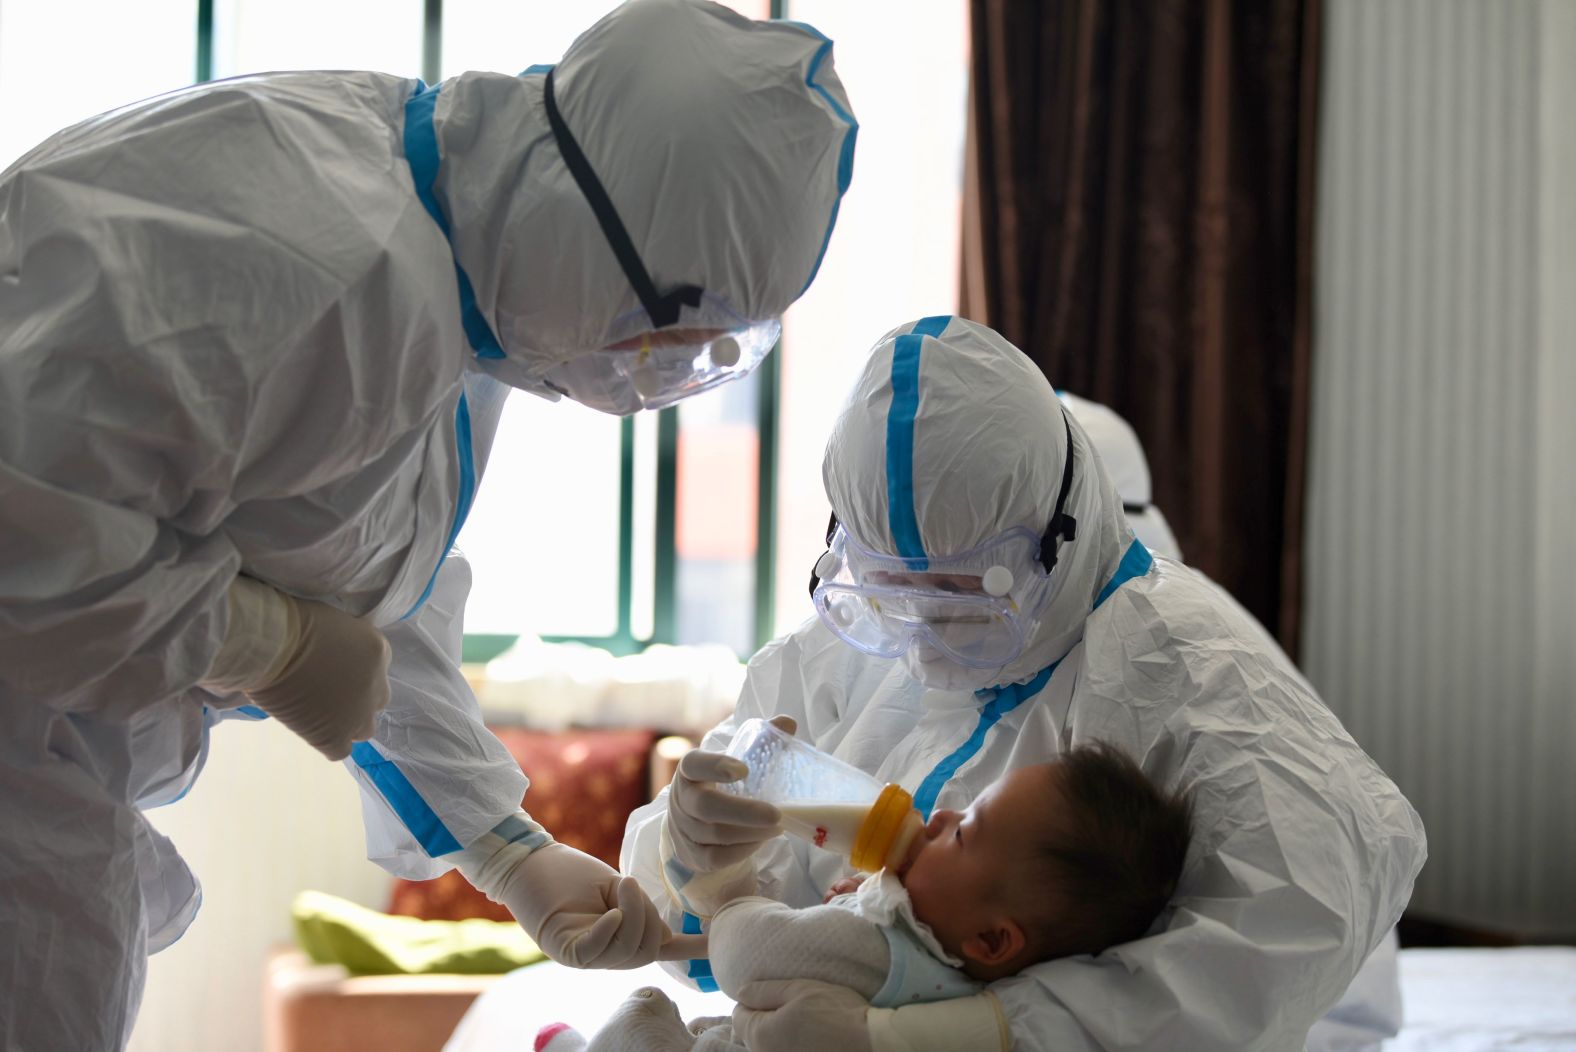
{"x": 1439, "y": 619}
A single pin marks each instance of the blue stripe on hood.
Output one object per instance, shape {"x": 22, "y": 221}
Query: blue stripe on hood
{"x": 421, "y": 153}
{"x": 845, "y": 155}
{"x": 901, "y": 519}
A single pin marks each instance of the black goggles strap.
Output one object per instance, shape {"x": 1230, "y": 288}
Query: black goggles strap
{"x": 815, "y": 579}
{"x": 663, "y": 308}
{"x": 1063, "y": 526}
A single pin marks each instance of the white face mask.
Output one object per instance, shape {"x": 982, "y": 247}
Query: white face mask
{"x": 936, "y": 671}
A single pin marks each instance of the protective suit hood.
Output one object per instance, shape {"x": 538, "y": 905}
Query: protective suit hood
{"x": 1119, "y": 450}
{"x": 931, "y": 403}
{"x": 723, "y": 144}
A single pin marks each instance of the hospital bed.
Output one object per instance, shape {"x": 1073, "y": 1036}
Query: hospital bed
{"x": 1456, "y": 1000}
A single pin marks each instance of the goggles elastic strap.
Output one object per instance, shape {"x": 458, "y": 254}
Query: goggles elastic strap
{"x": 1063, "y": 526}
{"x": 663, "y": 308}
{"x": 815, "y": 579}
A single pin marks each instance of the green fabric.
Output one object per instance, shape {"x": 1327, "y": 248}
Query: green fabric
{"x": 333, "y": 930}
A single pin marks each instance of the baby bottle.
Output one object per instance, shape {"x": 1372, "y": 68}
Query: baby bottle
{"x": 824, "y": 800}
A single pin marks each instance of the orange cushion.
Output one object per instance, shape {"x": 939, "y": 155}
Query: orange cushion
{"x": 584, "y": 784}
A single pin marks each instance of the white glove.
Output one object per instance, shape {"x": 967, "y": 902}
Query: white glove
{"x": 712, "y": 830}
{"x": 790, "y": 1015}
{"x": 577, "y": 908}
{"x": 317, "y": 670}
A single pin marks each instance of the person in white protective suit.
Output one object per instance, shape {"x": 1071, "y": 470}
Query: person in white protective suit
{"x": 1370, "y": 1010}
{"x": 1123, "y": 456}
{"x": 982, "y": 606}
{"x": 255, "y": 338}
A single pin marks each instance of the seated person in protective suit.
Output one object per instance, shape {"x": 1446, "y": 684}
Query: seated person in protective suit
{"x": 953, "y": 455}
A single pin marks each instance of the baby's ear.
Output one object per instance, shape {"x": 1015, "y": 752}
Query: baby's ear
{"x": 996, "y": 945}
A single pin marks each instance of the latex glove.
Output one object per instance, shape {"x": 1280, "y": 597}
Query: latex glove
{"x": 318, "y": 670}
{"x": 582, "y": 912}
{"x": 790, "y": 1015}
{"x": 712, "y": 830}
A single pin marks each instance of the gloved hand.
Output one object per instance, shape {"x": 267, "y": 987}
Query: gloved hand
{"x": 318, "y": 670}
{"x": 789, "y": 1015}
{"x": 581, "y": 911}
{"x": 712, "y": 830}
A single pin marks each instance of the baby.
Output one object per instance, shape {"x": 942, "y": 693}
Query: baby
{"x": 1061, "y": 858}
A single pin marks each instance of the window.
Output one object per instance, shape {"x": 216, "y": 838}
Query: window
{"x": 894, "y": 257}
{"x": 134, "y": 51}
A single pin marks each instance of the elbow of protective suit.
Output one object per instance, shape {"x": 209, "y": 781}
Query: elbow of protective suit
{"x": 316, "y": 669}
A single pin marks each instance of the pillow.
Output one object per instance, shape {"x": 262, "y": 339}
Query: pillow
{"x": 336, "y": 931}
{"x": 584, "y": 784}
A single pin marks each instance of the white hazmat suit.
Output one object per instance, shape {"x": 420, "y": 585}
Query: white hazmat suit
{"x": 1123, "y": 456}
{"x": 1304, "y": 852}
{"x": 266, "y": 327}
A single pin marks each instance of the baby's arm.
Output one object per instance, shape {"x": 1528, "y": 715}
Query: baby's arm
{"x": 754, "y": 938}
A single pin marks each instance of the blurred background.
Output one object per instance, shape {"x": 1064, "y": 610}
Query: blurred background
{"x": 1320, "y": 253}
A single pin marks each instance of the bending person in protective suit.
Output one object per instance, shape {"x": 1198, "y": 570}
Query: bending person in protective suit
{"x": 982, "y": 606}
{"x": 255, "y": 338}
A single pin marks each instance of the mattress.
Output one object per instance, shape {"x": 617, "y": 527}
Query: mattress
{"x": 1456, "y": 1000}
{"x": 1481, "y": 1000}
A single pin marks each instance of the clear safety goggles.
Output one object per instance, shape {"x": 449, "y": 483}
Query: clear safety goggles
{"x": 978, "y": 608}
{"x": 680, "y": 342}
{"x": 654, "y": 369}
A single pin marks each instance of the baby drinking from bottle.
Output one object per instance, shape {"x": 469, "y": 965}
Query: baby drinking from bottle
{"x": 1055, "y": 859}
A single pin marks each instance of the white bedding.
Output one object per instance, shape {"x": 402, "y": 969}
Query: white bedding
{"x": 1481, "y": 1000}
{"x": 1520, "y": 999}
{"x": 507, "y": 1017}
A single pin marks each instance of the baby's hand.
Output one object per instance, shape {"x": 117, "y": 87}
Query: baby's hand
{"x": 843, "y": 887}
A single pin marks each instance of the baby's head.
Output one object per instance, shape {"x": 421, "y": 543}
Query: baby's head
{"x": 1060, "y": 858}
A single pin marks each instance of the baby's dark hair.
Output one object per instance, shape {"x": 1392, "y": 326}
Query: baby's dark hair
{"x": 1110, "y": 856}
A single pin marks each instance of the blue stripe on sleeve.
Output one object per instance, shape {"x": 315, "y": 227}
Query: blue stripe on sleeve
{"x": 699, "y": 967}
{"x": 423, "y": 823}
{"x": 462, "y": 500}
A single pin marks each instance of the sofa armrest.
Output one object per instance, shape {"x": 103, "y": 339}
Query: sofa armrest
{"x": 316, "y": 1007}
{"x": 665, "y": 757}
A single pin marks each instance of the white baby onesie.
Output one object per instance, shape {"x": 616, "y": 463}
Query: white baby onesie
{"x": 868, "y": 940}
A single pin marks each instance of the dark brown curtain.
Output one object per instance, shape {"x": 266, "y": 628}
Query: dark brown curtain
{"x": 1138, "y": 210}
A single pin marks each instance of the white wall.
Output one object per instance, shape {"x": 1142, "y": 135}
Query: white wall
{"x": 1439, "y": 581}
{"x": 268, "y": 818}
